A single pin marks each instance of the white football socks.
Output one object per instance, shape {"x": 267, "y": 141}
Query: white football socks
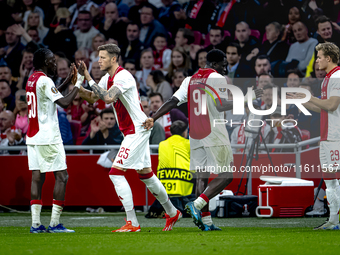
{"x": 207, "y": 220}
{"x": 35, "y": 211}
{"x": 56, "y": 212}
{"x": 158, "y": 190}
{"x": 333, "y": 199}
{"x": 124, "y": 193}
{"x": 199, "y": 203}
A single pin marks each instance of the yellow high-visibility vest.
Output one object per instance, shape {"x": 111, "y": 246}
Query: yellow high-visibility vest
{"x": 174, "y": 166}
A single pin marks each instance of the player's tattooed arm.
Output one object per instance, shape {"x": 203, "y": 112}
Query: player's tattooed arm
{"x": 109, "y": 96}
{"x": 88, "y": 95}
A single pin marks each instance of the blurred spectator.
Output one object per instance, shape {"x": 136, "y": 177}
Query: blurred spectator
{"x": 273, "y": 47}
{"x": 26, "y": 68}
{"x": 178, "y": 78}
{"x": 5, "y": 94}
{"x": 267, "y": 97}
{"x": 130, "y": 65}
{"x": 264, "y": 79}
{"x": 161, "y": 53}
{"x": 313, "y": 7}
{"x": 156, "y": 81}
{"x": 294, "y": 15}
{"x": 149, "y": 26}
{"x": 96, "y": 73}
{"x": 9, "y": 135}
{"x": 325, "y": 33}
{"x": 146, "y": 63}
{"x": 123, "y": 7}
{"x": 293, "y": 79}
{"x": 36, "y": 21}
{"x": 6, "y": 74}
{"x": 167, "y": 17}
{"x": 63, "y": 68}
{"x": 185, "y": 39}
{"x": 315, "y": 79}
{"x": 133, "y": 48}
{"x": 24, "y": 7}
{"x": 216, "y": 36}
{"x": 75, "y": 110}
{"x": 30, "y": 37}
{"x": 86, "y": 31}
{"x": 249, "y": 44}
{"x": 133, "y": 14}
{"x": 12, "y": 52}
{"x": 157, "y": 132}
{"x": 156, "y": 101}
{"x": 52, "y": 11}
{"x": 303, "y": 49}
{"x": 201, "y": 58}
{"x": 104, "y": 130}
{"x": 113, "y": 26}
{"x": 97, "y": 41}
{"x": 82, "y": 5}
{"x": 262, "y": 65}
{"x": 196, "y": 15}
{"x": 307, "y": 122}
{"x": 62, "y": 38}
{"x": 20, "y": 111}
{"x": 235, "y": 68}
{"x": 179, "y": 60}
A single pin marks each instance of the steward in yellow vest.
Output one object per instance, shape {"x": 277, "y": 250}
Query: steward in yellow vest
{"x": 174, "y": 162}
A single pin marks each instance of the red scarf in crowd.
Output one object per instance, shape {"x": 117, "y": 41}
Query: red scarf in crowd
{"x": 194, "y": 12}
{"x": 4, "y": 136}
{"x": 224, "y": 15}
{"x": 158, "y": 56}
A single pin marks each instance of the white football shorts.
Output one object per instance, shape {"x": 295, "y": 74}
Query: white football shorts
{"x": 134, "y": 152}
{"x": 214, "y": 159}
{"x": 329, "y": 155}
{"x": 46, "y": 158}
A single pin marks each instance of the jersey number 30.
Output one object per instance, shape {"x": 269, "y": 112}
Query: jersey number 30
{"x": 32, "y": 106}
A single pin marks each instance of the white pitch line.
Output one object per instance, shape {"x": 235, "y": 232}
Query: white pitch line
{"x": 87, "y": 218}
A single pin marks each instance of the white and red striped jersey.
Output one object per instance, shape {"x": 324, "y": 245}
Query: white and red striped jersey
{"x": 43, "y": 128}
{"x": 128, "y": 109}
{"x": 202, "y": 108}
{"x": 330, "y": 120}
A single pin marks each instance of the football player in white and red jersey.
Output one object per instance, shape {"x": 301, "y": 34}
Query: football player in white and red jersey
{"x": 328, "y": 106}
{"x": 44, "y": 144}
{"x": 119, "y": 88}
{"x": 210, "y": 149}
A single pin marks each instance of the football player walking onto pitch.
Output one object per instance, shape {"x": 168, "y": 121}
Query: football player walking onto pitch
{"x": 328, "y": 106}
{"x": 209, "y": 144}
{"x": 44, "y": 144}
{"x": 119, "y": 88}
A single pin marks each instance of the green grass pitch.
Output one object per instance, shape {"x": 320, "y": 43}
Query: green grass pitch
{"x": 238, "y": 236}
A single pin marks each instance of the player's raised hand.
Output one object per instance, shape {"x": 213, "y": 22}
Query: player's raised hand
{"x": 258, "y": 93}
{"x": 148, "y": 123}
{"x": 295, "y": 95}
{"x": 81, "y": 68}
{"x": 72, "y": 74}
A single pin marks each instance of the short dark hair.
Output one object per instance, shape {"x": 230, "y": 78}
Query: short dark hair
{"x": 215, "y": 56}
{"x": 237, "y": 46}
{"x": 178, "y": 127}
{"x": 3, "y": 80}
{"x": 129, "y": 61}
{"x": 263, "y": 57}
{"x": 133, "y": 24}
{"x": 154, "y": 94}
{"x": 106, "y": 110}
{"x": 217, "y": 28}
{"x": 112, "y": 49}
{"x": 295, "y": 71}
{"x": 322, "y": 19}
{"x": 187, "y": 34}
{"x": 267, "y": 74}
{"x": 40, "y": 57}
{"x": 85, "y": 12}
{"x": 157, "y": 76}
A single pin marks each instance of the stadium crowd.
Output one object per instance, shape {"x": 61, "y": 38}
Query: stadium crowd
{"x": 269, "y": 44}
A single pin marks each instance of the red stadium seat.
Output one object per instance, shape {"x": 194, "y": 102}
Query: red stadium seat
{"x": 198, "y": 37}
{"x": 255, "y": 33}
